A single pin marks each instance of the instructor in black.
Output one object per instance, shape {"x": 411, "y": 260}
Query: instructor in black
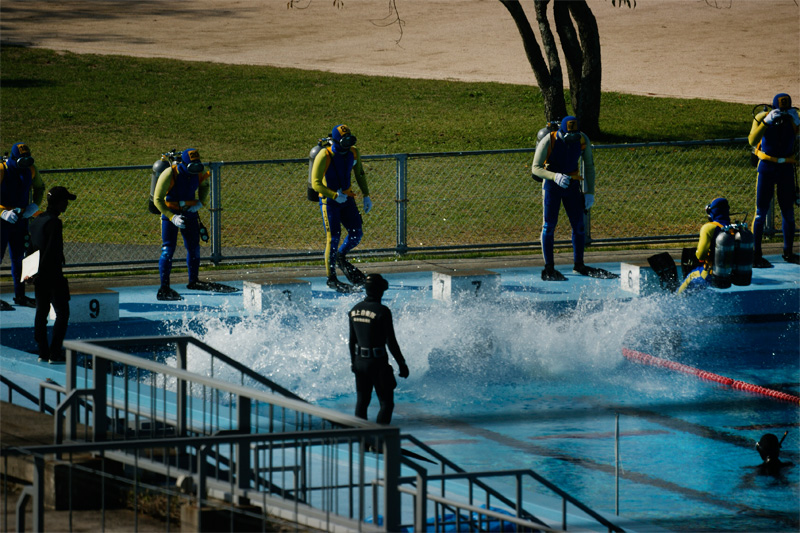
{"x": 51, "y": 285}
{"x": 371, "y": 331}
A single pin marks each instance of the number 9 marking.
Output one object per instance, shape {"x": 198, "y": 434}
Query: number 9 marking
{"x": 94, "y": 308}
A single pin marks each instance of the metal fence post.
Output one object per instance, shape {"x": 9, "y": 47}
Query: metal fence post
{"x": 216, "y": 213}
{"x": 401, "y": 200}
{"x": 391, "y": 475}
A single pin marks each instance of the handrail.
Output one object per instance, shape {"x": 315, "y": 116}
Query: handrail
{"x": 93, "y": 347}
{"x": 446, "y": 462}
{"x": 249, "y": 372}
{"x": 14, "y": 387}
{"x": 523, "y": 472}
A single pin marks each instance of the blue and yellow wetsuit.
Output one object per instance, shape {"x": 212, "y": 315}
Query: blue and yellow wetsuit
{"x": 699, "y": 277}
{"x": 174, "y": 194}
{"x": 330, "y": 173}
{"x": 16, "y": 184}
{"x": 555, "y": 156}
{"x": 775, "y": 147}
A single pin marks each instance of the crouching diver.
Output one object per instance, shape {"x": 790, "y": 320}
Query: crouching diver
{"x": 330, "y": 178}
{"x": 174, "y": 197}
{"x": 557, "y": 165}
{"x": 724, "y": 253}
{"x": 371, "y": 331}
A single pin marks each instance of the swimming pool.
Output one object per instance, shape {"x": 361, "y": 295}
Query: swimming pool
{"x": 530, "y": 379}
{"x": 501, "y": 384}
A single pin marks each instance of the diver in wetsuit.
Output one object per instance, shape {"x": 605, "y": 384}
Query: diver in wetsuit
{"x": 556, "y": 164}
{"x": 718, "y": 212}
{"x": 769, "y": 447}
{"x": 371, "y": 331}
{"x": 773, "y": 137}
{"x": 330, "y": 178}
{"x": 21, "y": 193}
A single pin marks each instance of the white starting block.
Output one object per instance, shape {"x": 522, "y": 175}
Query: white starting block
{"x": 640, "y": 279}
{"x": 261, "y": 295}
{"x": 465, "y": 284}
{"x": 95, "y": 306}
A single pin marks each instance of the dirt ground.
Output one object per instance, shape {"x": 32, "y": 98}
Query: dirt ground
{"x": 733, "y": 50}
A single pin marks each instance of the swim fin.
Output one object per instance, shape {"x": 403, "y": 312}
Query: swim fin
{"x": 593, "y": 272}
{"x": 666, "y": 270}
{"x": 343, "y": 288}
{"x": 210, "y": 286}
{"x": 167, "y": 294}
{"x": 353, "y": 274}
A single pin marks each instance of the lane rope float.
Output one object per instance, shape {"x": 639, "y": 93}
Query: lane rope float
{"x": 652, "y": 360}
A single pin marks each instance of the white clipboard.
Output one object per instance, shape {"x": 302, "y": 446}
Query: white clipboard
{"x": 30, "y": 267}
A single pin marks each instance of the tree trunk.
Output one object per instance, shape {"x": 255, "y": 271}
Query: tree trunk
{"x": 581, "y": 50}
{"x": 550, "y": 80}
{"x": 587, "y": 105}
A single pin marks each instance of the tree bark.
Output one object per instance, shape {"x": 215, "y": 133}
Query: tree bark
{"x": 581, "y": 50}
{"x": 550, "y": 80}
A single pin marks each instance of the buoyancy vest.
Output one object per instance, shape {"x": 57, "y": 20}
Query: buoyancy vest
{"x": 183, "y": 187}
{"x": 15, "y": 185}
{"x": 564, "y": 157}
{"x": 778, "y": 141}
{"x": 337, "y": 173}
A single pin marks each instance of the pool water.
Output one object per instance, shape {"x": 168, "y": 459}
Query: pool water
{"x": 502, "y": 384}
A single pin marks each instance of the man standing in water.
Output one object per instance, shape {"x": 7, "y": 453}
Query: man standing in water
{"x": 371, "y": 330}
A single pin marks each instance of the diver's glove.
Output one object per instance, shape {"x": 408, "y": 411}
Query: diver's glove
{"x": 9, "y": 216}
{"x": 367, "y": 205}
{"x": 194, "y": 208}
{"x": 562, "y": 180}
{"x": 771, "y": 116}
{"x": 589, "y": 201}
{"x": 178, "y": 221}
{"x": 30, "y": 211}
{"x": 403, "y": 373}
{"x": 340, "y": 197}
{"x": 795, "y": 118}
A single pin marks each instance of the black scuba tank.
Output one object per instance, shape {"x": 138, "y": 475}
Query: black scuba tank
{"x": 158, "y": 167}
{"x": 743, "y": 256}
{"x": 311, "y": 194}
{"x": 723, "y": 259}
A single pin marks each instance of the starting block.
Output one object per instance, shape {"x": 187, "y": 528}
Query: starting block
{"x": 95, "y": 306}
{"x": 261, "y": 295}
{"x": 640, "y": 279}
{"x": 465, "y": 284}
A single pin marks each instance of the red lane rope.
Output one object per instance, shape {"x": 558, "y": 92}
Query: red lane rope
{"x": 652, "y": 360}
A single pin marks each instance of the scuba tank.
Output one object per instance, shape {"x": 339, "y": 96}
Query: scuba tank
{"x": 743, "y": 256}
{"x": 552, "y": 126}
{"x": 158, "y": 167}
{"x": 723, "y": 259}
{"x": 311, "y": 194}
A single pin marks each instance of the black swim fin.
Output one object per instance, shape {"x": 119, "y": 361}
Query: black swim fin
{"x": 353, "y": 274}
{"x": 343, "y": 288}
{"x": 210, "y": 286}
{"x": 666, "y": 270}
{"x": 593, "y": 272}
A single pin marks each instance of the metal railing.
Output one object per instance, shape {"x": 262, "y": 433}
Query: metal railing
{"x": 424, "y": 202}
{"x": 231, "y": 439}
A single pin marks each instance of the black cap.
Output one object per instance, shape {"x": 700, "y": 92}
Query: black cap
{"x": 59, "y": 193}
{"x": 375, "y": 285}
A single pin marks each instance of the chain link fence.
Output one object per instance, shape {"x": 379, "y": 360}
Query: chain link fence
{"x": 422, "y": 203}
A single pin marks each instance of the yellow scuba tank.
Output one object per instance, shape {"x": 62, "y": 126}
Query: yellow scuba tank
{"x": 723, "y": 259}
{"x": 158, "y": 167}
{"x": 743, "y": 256}
{"x": 312, "y": 195}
